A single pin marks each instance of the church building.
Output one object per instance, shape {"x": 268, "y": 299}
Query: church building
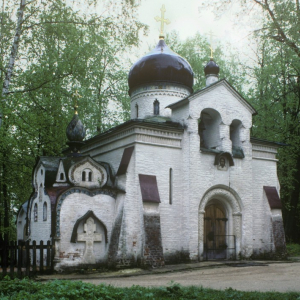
{"x": 182, "y": 180}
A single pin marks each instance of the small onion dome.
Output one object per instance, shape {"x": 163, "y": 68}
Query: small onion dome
{"x": 75, "y": 130}
{"x": 211, "y": 68}
{"x": 161, "y": 65}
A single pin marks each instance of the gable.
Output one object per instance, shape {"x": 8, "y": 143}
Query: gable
{"x": 219, "y": 96}
{"x": 45, "y": 171}
{"x": 87, "y": 173}
{"x": 227, "y": 90}
{"x": 61, "y": 175}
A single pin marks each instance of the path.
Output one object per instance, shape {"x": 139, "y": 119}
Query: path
{"x": 281, "y": 277}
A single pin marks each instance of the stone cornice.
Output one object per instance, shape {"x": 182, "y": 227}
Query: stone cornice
{"x": 157, "y": 134}
{"x": 169, "y": 93}
{"x": 265, "y": 152}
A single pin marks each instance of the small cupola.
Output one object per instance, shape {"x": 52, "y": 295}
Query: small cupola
{"x": 75, "y": 131}
{"x": 211, "y": 71}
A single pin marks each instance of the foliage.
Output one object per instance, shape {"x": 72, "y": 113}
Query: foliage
{"x": 293, "y": 249}
{"x": 276, "y": 95}
{"x": 61, "y": 50}
{"x": 28, "y": 289}
{"x": 196, "y": 50}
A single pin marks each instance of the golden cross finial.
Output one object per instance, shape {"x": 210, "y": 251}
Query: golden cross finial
{"x": 211, "y": 47}
{"x": 76, "y": 96}
{"x": 162, "y": 21}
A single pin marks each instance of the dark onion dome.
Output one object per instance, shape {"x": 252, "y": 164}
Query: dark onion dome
{"x": 75, "y": 130}
{"x": 211, "y": 68}
{"x": 161, "y": 65}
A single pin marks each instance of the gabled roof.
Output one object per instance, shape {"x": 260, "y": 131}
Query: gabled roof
{"x": 49, "y": 162}
{"x": 223, "y": 82}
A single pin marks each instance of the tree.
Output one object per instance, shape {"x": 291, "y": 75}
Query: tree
{"x": 276, "y": 95}
{"x": 196, "y": 50}
{"x": 60, "y": 51}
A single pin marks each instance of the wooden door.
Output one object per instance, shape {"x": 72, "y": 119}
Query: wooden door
{"x": 215, "y": 232}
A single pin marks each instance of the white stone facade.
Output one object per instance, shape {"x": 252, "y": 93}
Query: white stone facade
{"x": 221, "y": 167}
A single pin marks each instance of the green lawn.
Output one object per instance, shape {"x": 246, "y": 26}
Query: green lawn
{"x": 60, "y": 289}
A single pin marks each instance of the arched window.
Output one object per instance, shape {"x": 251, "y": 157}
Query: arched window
{"x": 45, "y": 211}
{"x": 41, "y": 192}
{"x": 170, "y": 186}
{"x": 209, "y": 129}
{"x": 235, "y": 129}
{"x": 137, "y": 111}
{"x": 35, "y": 212}
{"x": 156, "y": 107}
{"x": 87, "y": 175}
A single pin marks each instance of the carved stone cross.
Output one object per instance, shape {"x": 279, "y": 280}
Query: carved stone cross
{"x": 89, "y": 237}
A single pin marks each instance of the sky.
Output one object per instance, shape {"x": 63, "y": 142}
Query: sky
{"x": 187, "y": 17}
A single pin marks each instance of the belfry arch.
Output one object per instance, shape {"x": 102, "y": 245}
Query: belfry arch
{"x": 224, "y": 205}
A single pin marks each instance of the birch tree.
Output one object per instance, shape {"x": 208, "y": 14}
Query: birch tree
{"x": 13, "y": 53}
{"x": 60, "y": 50}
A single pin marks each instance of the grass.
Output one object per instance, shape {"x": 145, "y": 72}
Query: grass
{"x": 63, "y": 289}
{"x": 293, "y": 249}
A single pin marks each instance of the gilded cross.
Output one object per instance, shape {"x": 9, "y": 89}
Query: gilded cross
{"x": 76, "y": 96}
{"x": 162, "y": 21}
{"x": 211, "y": 47}
{"x": 89, "y": 237}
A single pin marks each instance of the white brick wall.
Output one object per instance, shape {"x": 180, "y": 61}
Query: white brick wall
{"x": 196, "y": 180}
{"x": 74, "y": 207}
{"x": 40, "y": 230}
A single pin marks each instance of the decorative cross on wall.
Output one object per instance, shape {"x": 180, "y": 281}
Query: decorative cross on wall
{"x": 89, "y": 237}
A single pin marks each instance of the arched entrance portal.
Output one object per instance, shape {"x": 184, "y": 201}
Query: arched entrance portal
{"x": 220, "y": 218}
{"x": 215, "y": 239}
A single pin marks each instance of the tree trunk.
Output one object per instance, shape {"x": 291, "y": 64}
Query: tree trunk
{"x": 13, "y": 54}
{"x": 291, "y": 216}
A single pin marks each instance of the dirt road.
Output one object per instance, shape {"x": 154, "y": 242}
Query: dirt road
{"x": 281, "y": 277}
